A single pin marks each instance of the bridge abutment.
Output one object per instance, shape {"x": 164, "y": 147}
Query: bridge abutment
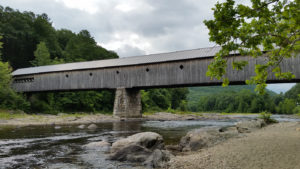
{"x": 127, "y": 103}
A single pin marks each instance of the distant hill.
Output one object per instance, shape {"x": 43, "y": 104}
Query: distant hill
{"x": 196, "y": 92}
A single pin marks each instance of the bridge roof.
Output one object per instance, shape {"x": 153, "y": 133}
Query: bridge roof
{"x": 126, "y": 61}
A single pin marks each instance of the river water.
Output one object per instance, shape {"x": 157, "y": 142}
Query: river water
{"x": 56, "y": 147}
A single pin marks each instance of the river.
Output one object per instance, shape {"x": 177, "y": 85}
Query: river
{"x": 56, "y": 147}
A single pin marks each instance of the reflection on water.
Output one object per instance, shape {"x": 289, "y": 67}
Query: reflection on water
{"x": 56, "y": 147}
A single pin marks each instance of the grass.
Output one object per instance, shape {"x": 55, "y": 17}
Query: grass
{"x": 75, "y": 115}
{"x": 6, "y": 115}
{"x": 239, "y": 113}
{"x": 298, "y": 114}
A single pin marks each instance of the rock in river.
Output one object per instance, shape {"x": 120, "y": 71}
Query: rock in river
{"x": 92, "y": 126}
{"x": 250, "y": 125}
{"x": 203, "y": 137}
{"x": 81, "y": 126}
{"x": 149, "y": 140}
{"x": 144, "y": 147}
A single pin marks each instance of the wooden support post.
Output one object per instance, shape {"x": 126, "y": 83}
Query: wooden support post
{"x": 127, "y": 103}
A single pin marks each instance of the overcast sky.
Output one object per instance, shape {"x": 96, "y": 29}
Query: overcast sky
{"x": 132, "y": 27}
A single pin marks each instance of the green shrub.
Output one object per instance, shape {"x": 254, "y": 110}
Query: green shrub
{"x": 267, "y": 117}
{"x": 296, "y": 110}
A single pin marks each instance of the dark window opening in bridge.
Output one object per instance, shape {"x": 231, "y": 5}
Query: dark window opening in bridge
{"x": 181, "y": 67}
{"x": 117, "y": 72}
{"x": 67, "y": 76}
{"x": 24, "y": 80}
{"x": 147, "y": 70}
{"x": 91, "y": 74}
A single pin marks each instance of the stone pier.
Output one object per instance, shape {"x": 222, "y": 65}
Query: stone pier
{"x": 127, "y": 103}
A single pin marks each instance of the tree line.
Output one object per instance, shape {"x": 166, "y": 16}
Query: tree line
{"x": 248, "y": 101}
{"x": 29, "y": 40}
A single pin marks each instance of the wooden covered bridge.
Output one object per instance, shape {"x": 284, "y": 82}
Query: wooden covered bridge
{"x": 129, "y": 75}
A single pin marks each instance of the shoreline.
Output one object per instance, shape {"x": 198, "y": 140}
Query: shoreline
{"x": 84, "y": 118}
{"x": 261, "y": 148}
{"x": 69, "y": 119}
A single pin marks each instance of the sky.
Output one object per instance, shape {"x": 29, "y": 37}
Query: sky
{"x": 133, "y": 27}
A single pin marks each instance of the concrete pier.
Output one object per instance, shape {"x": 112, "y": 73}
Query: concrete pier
{"x": 127, "y": 103}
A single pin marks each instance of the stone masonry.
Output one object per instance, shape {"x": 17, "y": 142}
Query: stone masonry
{"x": 127, "y": 103}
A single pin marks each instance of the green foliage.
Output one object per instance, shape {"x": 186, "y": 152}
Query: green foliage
{"x": 23, "y": 31}
{"x": 199, "y": 93}
{"x": 294, "y": 92}
{"x": 296, "y": 110}
{"x": 6, "y": 115}
{"x": 268, "y": 28}
{"x": 31, "y": 39}
{"x": 42, "y": 55}
{"x": 164, "y": 99}
{"x": 5, "y": 77}
{"x": 244, "y": 101}
{"x": 8, "y": 98}
{"x": 267, "y": 117}
{"x": 1, "y": 43}
{"x": 286, "y": 106}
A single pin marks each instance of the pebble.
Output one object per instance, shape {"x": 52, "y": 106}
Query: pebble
{"x": 81, "y": 126}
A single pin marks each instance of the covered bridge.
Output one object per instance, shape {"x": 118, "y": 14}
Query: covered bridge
{"x": 129, "y": 75}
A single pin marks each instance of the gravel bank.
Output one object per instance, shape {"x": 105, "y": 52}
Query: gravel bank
{"x": 98, "y": 118}
{"x": 273, "y": 147}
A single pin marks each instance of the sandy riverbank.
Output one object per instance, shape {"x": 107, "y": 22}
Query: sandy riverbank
{"x": 276, "y": 146}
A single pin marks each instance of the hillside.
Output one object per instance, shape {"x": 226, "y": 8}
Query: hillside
{"x": 195, "y": 93}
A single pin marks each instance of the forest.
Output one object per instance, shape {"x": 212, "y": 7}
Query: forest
{"x": 28, "y": 39}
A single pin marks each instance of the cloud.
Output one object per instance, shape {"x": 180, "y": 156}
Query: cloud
{"x": 133, "y": 27}
{"x": 90, "y": 6}
{"x": 150, "y": 26}
{"x": 127, "y": 50}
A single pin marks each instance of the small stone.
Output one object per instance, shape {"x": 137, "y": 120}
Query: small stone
{"x": 158, "y": 159}
{"x": 92, "y": 126}
{"x": 81, "y": 126}
{"x": 297, "y": 129}
{"x": 57, "y": 127}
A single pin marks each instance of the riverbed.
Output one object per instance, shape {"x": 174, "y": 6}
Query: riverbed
{"x": 62, "y": 146}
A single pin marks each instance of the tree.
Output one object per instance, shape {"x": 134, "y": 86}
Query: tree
{"x": 1, "y": 43}
{"x": 286, "y": 107}
{"x": 42, "y": 55}
{"x": 269, "y": 28}
{"x": 178, "y": 96}
{"x": 293, "y": 92}
{"x": 5, "y": 70}
{"x": 8, "y": 98}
